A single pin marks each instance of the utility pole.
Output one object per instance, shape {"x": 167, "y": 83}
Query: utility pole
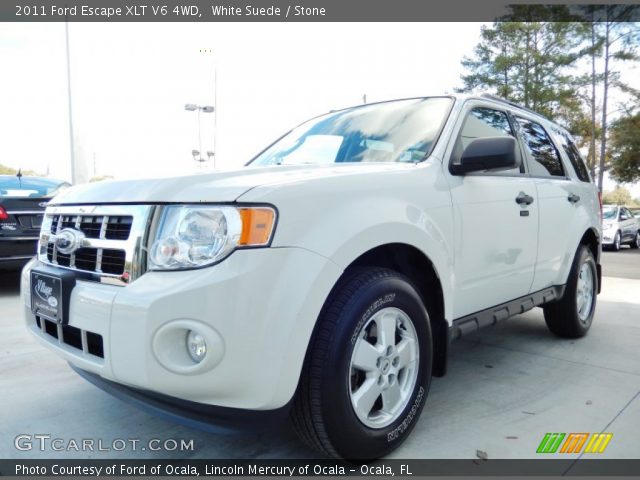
{"x": 72, "y": 150}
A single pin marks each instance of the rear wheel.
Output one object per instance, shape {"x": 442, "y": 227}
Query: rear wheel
{"x": 636, "y": 241}
{"x": 368, "y": 368}
{"x": 572, "y": 315}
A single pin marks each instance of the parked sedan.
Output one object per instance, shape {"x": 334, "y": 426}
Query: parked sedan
{"x": 22, "y": 203}
{"x": 619, "y": 227}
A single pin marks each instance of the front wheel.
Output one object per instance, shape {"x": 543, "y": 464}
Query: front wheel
{"x": 368, "y": 368}
{"x": 615, "y": 246}
{"x": 572, "y": 315}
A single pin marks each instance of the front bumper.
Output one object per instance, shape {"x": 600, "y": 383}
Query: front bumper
{"x": 262, "y": 304}
{"x": 195, "y": 415}
{"x": 608, "y": 236}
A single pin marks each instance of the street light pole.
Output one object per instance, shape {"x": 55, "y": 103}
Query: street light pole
{"x": 215, "y": 113}
{"x": 190, "y": 107}
{"x": 200, "y": 134}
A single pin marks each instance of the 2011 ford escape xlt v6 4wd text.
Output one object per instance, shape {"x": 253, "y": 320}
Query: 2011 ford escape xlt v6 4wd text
{"x": 325, "y": 280}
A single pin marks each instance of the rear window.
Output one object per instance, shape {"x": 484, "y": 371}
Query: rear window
{"x": 544, "y": 156}
{"x": 575, "y": 158}
{"x": 29, "y": 187}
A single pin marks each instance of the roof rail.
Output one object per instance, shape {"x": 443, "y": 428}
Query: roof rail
{"x": 509, "y": 102}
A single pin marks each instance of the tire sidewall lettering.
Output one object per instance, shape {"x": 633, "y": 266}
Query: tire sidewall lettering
{"x": 376, "y": 305}
{"x": 406, "y": 422}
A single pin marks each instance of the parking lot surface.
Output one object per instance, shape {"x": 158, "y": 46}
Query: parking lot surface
{"x": 506, "y": 387}
{"x": 622, "y": 264}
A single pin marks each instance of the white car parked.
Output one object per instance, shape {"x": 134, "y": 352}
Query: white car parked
{"x": 325, "y": 279}
{"x": 619, "y": 227}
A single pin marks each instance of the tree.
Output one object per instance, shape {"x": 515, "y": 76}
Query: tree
{"x": 4, "y": 170}
{"x": 527, "y": 62}
{"x": 620, "y": 40}
{"x": 625, "y": 149}
{"x": 495, "y": 60}
{"x": 594, "y": 50}
{"x": 101, "y": 178}
{"x": 619, "y": 196}
{"x": 528, "y": 56}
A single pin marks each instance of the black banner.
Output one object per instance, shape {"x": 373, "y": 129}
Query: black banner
{"x": 303, "y": 468}
{"x": 309, "y": 11}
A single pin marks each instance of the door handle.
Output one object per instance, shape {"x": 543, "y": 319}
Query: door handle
{"x": 573, "y": 198}
{"x": 524, "y": 199}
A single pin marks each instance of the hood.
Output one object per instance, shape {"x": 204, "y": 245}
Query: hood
{"x": 210, "y": 187}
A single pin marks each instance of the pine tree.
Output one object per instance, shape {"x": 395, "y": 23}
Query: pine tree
{"x": 528, "y": 62}
{"x": 620, "y": 38}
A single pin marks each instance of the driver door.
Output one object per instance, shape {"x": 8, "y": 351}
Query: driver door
{"x": 496, "y": 238}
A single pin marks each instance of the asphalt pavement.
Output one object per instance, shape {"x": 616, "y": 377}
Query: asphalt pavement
{"x": 506, "y": 387}
{"x": 624, "y": 263}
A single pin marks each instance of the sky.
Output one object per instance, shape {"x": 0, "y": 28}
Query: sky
{"x": 130, "y": 82}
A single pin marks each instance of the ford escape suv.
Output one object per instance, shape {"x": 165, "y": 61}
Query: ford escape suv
{"x": 324, "y": 280}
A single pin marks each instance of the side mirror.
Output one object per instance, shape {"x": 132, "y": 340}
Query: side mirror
{"x": 489, "y": 153}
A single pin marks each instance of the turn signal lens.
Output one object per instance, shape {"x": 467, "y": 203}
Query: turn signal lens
{"x": 257, "y": 225}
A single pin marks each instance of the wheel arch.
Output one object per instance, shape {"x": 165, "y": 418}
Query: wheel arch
{"x": 591, "y": 240}
{"x": 410, "y": 261}
{"x": 415, "y": 265}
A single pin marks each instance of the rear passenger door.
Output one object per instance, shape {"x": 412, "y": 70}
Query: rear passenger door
{"x": 495, "y": 236}
{"x": 561, "y": 204}
{"x": 627, "y": 225}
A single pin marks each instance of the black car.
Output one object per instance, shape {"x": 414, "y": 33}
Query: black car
{"x": 22, "y": 204}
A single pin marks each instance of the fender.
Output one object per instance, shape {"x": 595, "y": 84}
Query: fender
{"x": 343, "y": 217}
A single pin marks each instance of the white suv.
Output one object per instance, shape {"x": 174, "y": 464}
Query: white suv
{"x": 325, "y": 279}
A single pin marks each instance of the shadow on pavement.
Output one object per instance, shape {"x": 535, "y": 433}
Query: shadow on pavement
{"x": 9, "y": 283}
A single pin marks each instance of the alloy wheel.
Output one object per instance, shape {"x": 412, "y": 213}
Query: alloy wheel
{"x": 584, "y": 292}
{"x": 384, "y": 367}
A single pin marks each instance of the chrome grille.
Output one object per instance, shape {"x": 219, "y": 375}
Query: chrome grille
{"x": 114, "y": 227}
{"x": 112, "y": 239}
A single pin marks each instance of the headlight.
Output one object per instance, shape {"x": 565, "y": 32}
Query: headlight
{"x": 192, "y": 236}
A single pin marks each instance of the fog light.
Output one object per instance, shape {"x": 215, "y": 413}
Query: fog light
{"x": 196, "y": 346}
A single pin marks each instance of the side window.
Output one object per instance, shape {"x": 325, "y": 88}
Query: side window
{"x": 545, "y": 159}
{"x": 574, "y": 157}
{"x": 624, "y": 214}
{"x": 482, "y": 122}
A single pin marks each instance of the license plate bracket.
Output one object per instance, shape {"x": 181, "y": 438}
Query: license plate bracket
{"x": 51, "y": 292}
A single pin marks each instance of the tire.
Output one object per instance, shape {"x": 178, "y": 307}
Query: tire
{"x": 572, "y": 315}
{"x": 324, "y": 410}
{"x": 635, "y": 243}
{"x": 617, "y": 240}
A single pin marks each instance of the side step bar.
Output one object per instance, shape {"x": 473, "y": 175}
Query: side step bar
{"x": 472, "y": 323}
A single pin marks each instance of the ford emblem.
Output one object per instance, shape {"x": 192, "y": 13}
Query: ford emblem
{"x": 69, "y": 240}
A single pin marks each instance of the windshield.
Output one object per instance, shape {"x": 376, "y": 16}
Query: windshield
{"x": 400, "y": 131}
{"x": 609, "y": 213}
{"x": 29, "y": 187}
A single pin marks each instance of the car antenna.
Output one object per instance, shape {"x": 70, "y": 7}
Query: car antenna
{"x": 19, "y": 175}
